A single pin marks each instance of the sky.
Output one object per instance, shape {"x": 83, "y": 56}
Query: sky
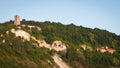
{"x": 103, "y": 14}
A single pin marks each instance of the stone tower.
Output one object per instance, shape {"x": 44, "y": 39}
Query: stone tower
{"x": 17, "y": 20}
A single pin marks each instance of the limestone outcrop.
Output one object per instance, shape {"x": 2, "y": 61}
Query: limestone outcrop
{"x": 21, "y": 33}
{"x": 85, "y": 47}
{"x": 56, "y": 45}
{"x": 106, "y": 49}
{"x": 59, "y": 61}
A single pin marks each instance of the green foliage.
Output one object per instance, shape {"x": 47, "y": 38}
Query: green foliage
{"x": 74, "y": 58}
{"x": 16, "y": 53}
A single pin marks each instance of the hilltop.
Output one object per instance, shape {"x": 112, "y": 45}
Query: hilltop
{"x": 54, "y": 45}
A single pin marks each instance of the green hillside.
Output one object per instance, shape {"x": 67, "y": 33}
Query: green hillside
{"x": 16, "y": 53}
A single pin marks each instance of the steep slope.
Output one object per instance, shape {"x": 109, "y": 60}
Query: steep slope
{"x": 77, "y": 46}
{"x": 59, "y": 62}
{"x": 18, "y": 49}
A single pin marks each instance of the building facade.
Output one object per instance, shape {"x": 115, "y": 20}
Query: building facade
{"x": 17, "y": 20}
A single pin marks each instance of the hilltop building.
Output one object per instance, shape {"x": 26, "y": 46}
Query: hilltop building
{"x": 17, "y": 20}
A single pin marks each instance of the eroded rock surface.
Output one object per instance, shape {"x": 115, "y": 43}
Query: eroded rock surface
{"x": 56, "y": 45}
{"x": 59, "y": 61}
{"x": 21, "y": 33}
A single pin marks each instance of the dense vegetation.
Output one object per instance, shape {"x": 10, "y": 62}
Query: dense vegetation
{"x": 24, "y": 54}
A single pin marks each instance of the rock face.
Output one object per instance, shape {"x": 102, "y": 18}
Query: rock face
{"x": 60, "y": 62}
{"x": 44, "y": 44}
{"x": 106, "y": 49}
{"x": 7, "y": 32}
{"x": 22, "y": 34}
{"x": 58, "y": 46}
{"x": 101, "y": 49}
{"x": 3, "y": 41}
{"x": 85, "y": 47}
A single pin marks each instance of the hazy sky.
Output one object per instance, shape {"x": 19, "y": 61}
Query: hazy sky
{"x": 103, "y": 14}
